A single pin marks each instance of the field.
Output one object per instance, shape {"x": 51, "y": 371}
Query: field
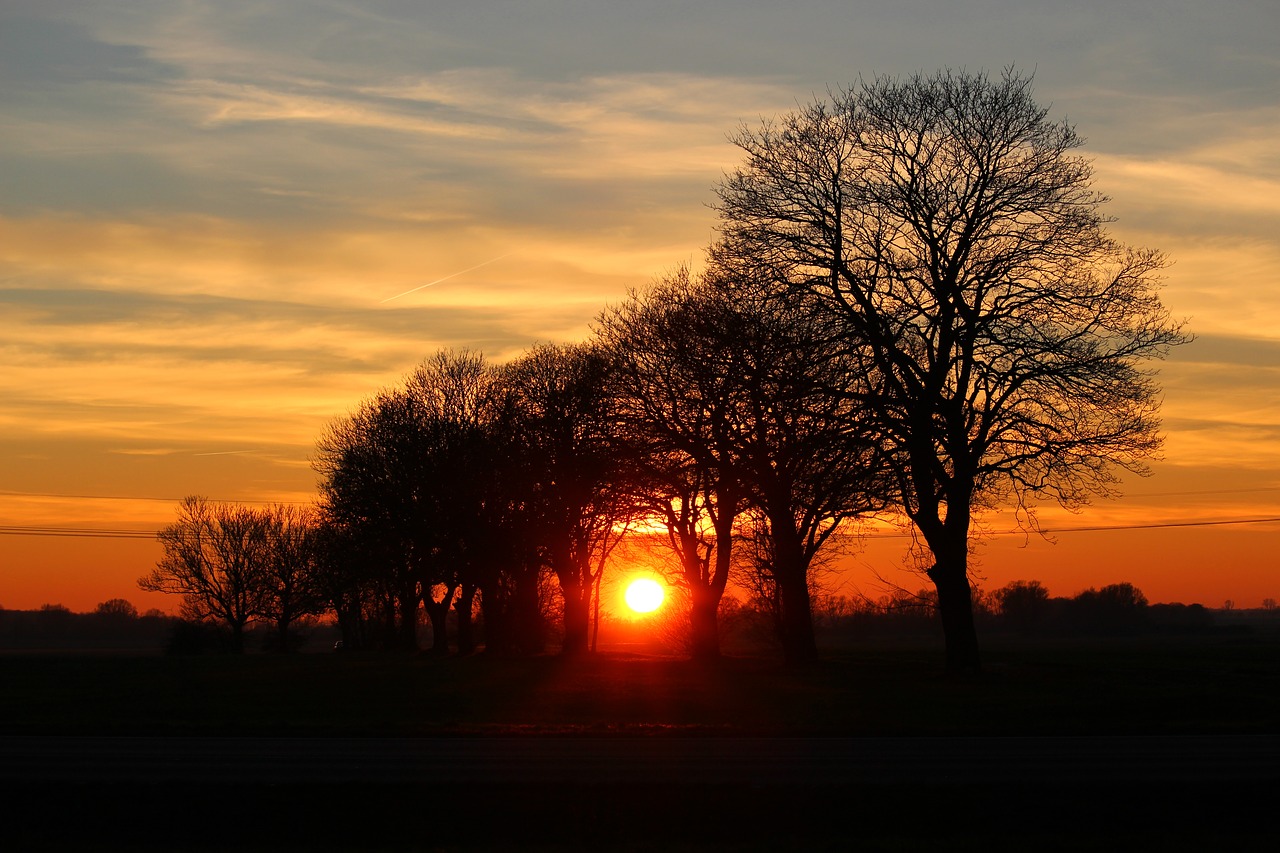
{"x": 1168, "y": 691}
{"x": 1166, "y": 686}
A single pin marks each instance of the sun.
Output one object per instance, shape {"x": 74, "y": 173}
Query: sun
{"x": 644, "y": 595}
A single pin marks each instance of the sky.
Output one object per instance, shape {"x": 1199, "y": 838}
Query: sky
{"x": 224, "y": 224}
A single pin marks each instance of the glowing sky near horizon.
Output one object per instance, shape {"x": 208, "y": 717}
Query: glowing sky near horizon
{"x": 218, "y": 221}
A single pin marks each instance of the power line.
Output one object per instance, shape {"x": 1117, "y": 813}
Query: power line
{"x": 76, "y": 532}
{"x": 1148, "y": 525}
{"x": 108, "y": 533}
{"x": 11, "y": 493}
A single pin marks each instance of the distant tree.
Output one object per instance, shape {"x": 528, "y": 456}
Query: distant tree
{"x": 1114, "y": 609}
{"x": 116, "y": 608}
{"x": 1023, "y": 606}
{"x": 1003, "y": 337}
{"x": 215, "y": 558}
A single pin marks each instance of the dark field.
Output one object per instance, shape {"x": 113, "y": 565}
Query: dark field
{"x": 1180, "y": 686}
{"x": 1156, "y": 698}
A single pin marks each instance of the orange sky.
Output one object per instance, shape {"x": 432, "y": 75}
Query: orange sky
{"x": 210, "y": 210}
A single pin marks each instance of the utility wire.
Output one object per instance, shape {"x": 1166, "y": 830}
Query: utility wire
{"x": 16, "y": 494}
{"x": 106, "y": 533}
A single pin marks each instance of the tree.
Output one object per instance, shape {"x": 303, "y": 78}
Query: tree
{"x": 215, "y": 557}
{"x": 1004, "y": 337}
{"x": 727, "y": 398}
{"x": 673, "y": 392}
{"x": 561, "y": 424}
{"x": 291, "y": 573}
{"x": 376, "y": 492}
{"x": 811, "y": 457}
{"x": 1024, "y": 605}
{"x": 1115, "y": 608}
{"x": 118, "y": 609}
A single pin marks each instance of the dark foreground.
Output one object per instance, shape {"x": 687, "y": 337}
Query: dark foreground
{"x": 629, "y": 793}
{"x": 1118, "y": 746}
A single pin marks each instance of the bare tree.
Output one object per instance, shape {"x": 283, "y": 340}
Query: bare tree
{"x": 730, "y": 398}
{"x": 291, "y": 573}
{"x": 1005, "y": 338}
{"x": 561, "y": 424}
{"x": 377, "y": 493}
{"x": 673, "y": 388}
{"x": 215, "y": 556}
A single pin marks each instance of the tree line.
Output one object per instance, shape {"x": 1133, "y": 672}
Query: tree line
{"x": 912, "y": 310}
{"x": 1020, "y": 608}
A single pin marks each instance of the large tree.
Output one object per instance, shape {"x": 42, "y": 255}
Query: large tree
{"x": 1004, "y": 337}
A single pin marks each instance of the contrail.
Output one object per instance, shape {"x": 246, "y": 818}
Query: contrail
{"x": 446, "y": 278}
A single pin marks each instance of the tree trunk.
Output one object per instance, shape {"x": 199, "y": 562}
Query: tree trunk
{"x": 524, "y": 626}
{"x": 408, "y": 633}
{"x": 237, "y": 637}
{"x": 577, "y": 619}
{"x": 282, "y": 634}
{"x": 791, "y": 574}
{"x": 704, "y": 628}
{"x": 950, "y": 576}
{"x": 438, "y": 611}
{"x": 466, "y": 633}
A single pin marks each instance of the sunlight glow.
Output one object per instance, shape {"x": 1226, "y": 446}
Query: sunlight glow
{"x": 644, "y": 595}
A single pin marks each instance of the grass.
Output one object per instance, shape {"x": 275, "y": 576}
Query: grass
{"x": 1170, "y": 686}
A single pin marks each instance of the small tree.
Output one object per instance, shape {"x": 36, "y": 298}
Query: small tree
{"x": 117, "y": 608}
{"x": 291, "y": 573}
{"x": 1023, "y": 605}
{"x": 215, "y": 557}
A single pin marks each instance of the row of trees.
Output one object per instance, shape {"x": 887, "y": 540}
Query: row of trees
{"x": 913, "y": 307}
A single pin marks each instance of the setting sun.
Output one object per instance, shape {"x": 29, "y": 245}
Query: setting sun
{"x": 644, "y": 595}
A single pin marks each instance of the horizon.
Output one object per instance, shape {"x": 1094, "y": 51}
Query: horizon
{"x": 224, "y": 226}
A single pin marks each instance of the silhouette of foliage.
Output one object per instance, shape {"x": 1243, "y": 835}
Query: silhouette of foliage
{"x": 559, "y": 416}
{"x": 1003, "y": 336}
{"x": 215, "y": 557}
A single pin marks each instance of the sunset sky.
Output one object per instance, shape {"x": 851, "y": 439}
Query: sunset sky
{"x": 209, "y": 212}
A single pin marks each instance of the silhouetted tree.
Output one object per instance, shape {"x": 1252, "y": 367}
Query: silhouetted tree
{"x": 427, "y": 495}
{"x": 728, "y": 396}
{"x": 215, "y": 557}
{"x": 673, "y": 386}
{"x": 561, "y": 425}
{"x": 117, "y": 608}
{"x": 1118, "y": 608}
{"x": 1024, "y": 606}
{"x": 811, "y": 457}
{"x": 292, "y": 570}
{"x": 375, "y": 491}
{"x": 1002, "y": 336}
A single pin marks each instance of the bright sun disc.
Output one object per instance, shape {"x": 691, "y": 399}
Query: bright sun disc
{"x": 644, "y": 595}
